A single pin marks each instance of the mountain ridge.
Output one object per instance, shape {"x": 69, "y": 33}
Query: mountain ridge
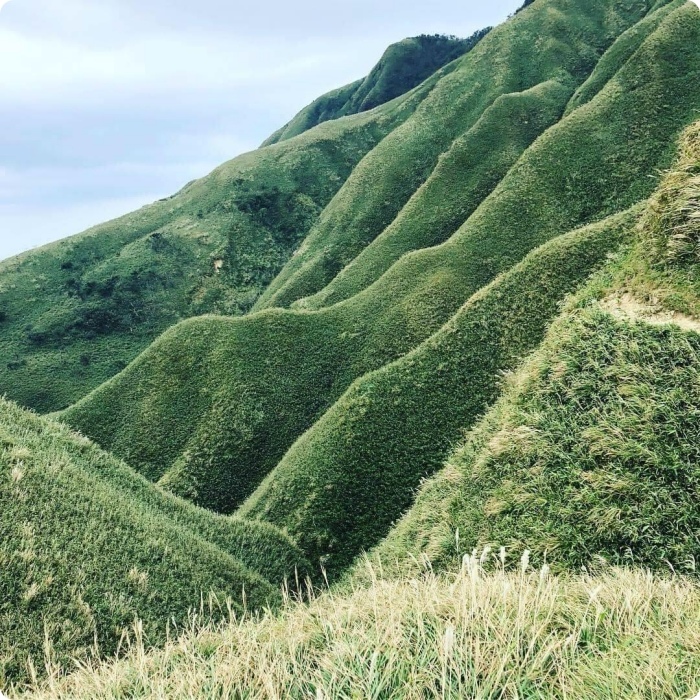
{"x": 426, "y": 331}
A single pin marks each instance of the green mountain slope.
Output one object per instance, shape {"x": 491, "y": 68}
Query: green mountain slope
{"x": 213, "y": 407}
{"x": 554, "y": 40}
{"x": 404, "y": 66}
{"x": 592, "y": 452}
{"x": 87, "y": 547}
{"x": 487, "y": 335}
{"x": 74, "y": 313}
{"x": 343, "y": 484}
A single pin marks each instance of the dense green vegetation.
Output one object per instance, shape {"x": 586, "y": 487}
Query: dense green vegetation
{"x": 164, "y": 414}
{"x": 462, "y": 179}
{"x": 556, "y": 40}
{"x": 592, "y": 451}
{"x": 483, "y": 332}
{"x": 87, "y": 546}
{"x": 343, "y": 484}
{"x": 75, "y": 313}
{"x": 404, "y": 66}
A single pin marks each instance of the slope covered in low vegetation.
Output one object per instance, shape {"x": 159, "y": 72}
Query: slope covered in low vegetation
{"x": 342, "y": 485}
{"x": 87, "y": 546}
{"x": 214, "y": 405}
{"x": 592, "y": 452}
{"x": 76, "y": 312}
{"x": 618, "y": 635}
{"x": 404, "y": 66}
{"x": 484, "y": 355}
{"x": 548, "y": 41}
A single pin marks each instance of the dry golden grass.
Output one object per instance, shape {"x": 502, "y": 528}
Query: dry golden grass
{"x": 523, "y": 634}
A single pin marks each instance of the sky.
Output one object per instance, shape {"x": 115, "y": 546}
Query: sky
{"x": 107, "y": 105}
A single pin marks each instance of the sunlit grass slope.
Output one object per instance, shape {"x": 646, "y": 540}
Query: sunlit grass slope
{"x": 551, "y": 40}
{"x": 87, "y": 546}
{"x": 214, "y": 405}
{"x": 74, "y": 313}
{"x": 464, "y": 176}
{"x": 343, "y": 484}
{"x": 623, "y": 634}
{"x": 404, "y": 66}
{"x": 592, "y": 452}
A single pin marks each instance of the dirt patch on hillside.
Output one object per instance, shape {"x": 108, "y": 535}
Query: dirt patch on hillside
{"x": 627, "y": 307}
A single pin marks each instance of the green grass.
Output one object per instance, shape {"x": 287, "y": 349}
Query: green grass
{"x": 554, "y": 40}
{"x": 269, "y": 377}
{"x": 465, "y": 175}
{"x": 404, "y": 66}
{"x": 623, "y": 634}
{"x": 592, "y": 451}
{"x": 672, "y": 225}
{"x": 75, "y": 313}
{"x": 441, "y": 389}
{"x": 87, "y": 546}
{"x": 621, "y": 52}
{"x": 342, "y": 485}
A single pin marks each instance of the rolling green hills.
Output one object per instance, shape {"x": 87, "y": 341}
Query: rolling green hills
{"x": 560, "y": 41}
{"x": 467, "y": 318}
{"x": 592, "y": 451}
{"x": 74, "y": 313}
{"x": 404, "y": 66}
{"x": 87, "y": 547}
{"x": 342, "y": 485}
{"x": 212, "y": 407}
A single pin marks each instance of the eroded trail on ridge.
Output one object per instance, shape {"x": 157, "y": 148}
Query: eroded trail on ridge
{"x": 627, "y": 307}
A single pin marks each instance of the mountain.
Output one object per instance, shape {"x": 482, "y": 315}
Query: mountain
{"x": 463, "y": 320}
{"x": 591, "y": 451}
{"x": 87, "y": 547}
{"x": 76, "y": 312}
{"x": 404, "y": 66}
{"x": 212, "y": 408}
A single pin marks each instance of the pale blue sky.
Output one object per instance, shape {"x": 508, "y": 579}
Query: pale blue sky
{"x": 106, "y": 105}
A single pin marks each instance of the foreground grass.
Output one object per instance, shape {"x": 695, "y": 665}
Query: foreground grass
{"x": 87, "y": 546}
{"x": 623, "y": 634}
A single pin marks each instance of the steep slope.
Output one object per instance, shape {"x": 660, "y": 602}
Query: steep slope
{"x": 623, "y": 634}
{"x": 592, "y": 454}
{"x": 214, "y": 405}
{"x": 470, "y": 169}
{"x": 404, "y": 66}
{"x": 343, "y": 484}
{"x": 593, "y": 450}
{"x": 87, "y": 547}
{"x": 74, "y": 313}
{"x": 553, "y": 40}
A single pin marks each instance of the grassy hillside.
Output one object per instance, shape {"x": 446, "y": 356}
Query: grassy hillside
{"x": 213, "y": 406}
{"x": 343, "y": 484}
{"x": 619, "y": 635}
{"x": 553, "y": 40}
{"x": 87, "y": 547}
{"x": 74, "y": 313}
{"x": 592, "y": 451}
{"x": 404, "y": 66}
{"x": 462, "y": 179}
{"x": 490, "y": 359}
